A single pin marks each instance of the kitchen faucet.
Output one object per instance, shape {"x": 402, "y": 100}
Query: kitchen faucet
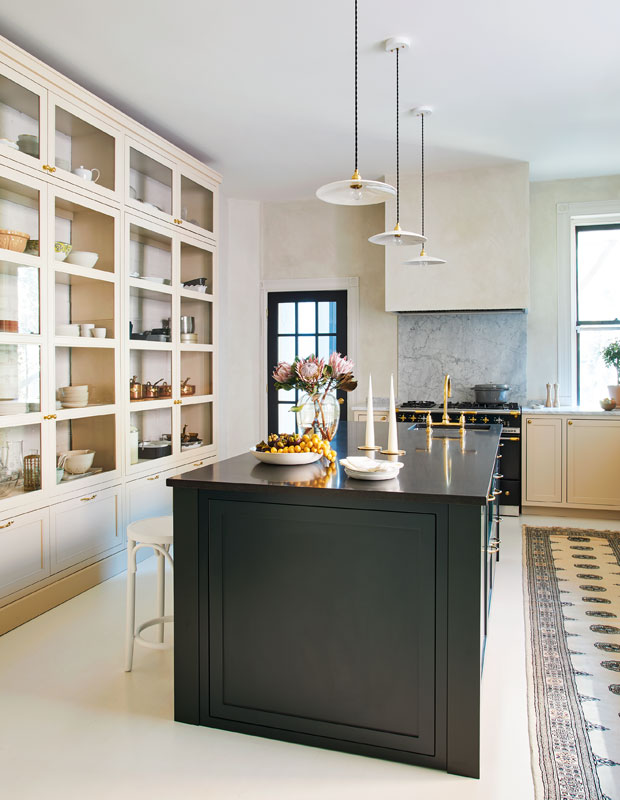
{"x": 447, "y": 392}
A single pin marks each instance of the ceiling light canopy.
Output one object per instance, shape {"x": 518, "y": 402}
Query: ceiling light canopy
{"x": 423, "y": 260}
{"x": 397, "y": 236}
{"x": 355, "y": 191}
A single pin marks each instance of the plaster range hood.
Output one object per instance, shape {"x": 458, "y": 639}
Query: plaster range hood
{"x": 468, "y": 311}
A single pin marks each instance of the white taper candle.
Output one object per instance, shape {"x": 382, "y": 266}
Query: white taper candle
{"x": 392, "y": 433}
{"x": 370, "y": 417}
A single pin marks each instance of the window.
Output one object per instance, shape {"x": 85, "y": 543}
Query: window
{"x": 597, "y": 306}
{"x": 301, "y": 324}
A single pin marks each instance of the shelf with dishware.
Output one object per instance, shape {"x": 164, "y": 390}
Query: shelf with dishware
{"x": 100, "y": 284}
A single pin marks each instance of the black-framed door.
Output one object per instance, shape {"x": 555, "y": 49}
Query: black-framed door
{"x": 302, "y": 324}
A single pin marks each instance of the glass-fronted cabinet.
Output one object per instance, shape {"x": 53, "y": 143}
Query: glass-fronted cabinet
{"x": 23, "y": 108}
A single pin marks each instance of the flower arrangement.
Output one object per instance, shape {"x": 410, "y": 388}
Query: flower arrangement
{"x": 317, "y": 378}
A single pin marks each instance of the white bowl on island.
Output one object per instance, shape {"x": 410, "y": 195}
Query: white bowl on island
{"x": 285, "y": 459}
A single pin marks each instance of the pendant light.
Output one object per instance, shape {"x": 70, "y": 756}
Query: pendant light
{"x": 423, "y": 260}
{"x": 355, "y": 191}
{"x": 397, "y": 236}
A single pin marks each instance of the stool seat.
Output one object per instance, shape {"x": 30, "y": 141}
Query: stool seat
{"x": 156, "y": 530}
{"x": 156, "y": 534}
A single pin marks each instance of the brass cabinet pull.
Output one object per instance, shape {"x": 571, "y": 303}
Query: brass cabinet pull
{"x": 7, "y": 524}
{"x": 178, "y": 402}
{"x": 48, "y": 168}
{"x": 198, "y": 464}
{"x": 50, "y": 416}
{"x": 153, "y": 478}
{"x": 529, "y": 422}
{"x": 383, "y": 419}
{"x": 86, "y": 499}
{"x": 570, "y": 422}
{"x": 178, "y": 221}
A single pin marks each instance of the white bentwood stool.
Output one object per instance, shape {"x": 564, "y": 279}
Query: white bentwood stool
{"x": 155, "y": 533}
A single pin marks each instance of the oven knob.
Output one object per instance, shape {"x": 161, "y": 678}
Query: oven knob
{"x": 472, "y": 419}
{"x": 402, "y": 417}
{"x": 485, "y": 420}
{"x": 500, "y": 420}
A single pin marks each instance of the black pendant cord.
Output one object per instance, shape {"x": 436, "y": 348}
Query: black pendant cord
{"x": 422, "y": 118}
{"x": 355, "y": 86}
{"x": 397, "y": 145}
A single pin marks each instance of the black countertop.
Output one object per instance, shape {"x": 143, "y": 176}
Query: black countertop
{"x": 447, "y": 472}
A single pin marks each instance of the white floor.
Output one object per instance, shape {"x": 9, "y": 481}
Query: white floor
{"x": 74, "y": 725}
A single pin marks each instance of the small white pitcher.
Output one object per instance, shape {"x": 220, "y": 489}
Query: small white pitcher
{"x": 86, "y": 174}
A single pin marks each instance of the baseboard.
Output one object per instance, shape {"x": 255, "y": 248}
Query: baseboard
{"x": 52, "y": 595}
{"x": 585, "y": 513}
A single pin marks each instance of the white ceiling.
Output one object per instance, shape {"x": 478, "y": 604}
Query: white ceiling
{"x": 262, "y": 91}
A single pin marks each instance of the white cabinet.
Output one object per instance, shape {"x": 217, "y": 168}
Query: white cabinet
{"x": 85, "y": 527}
{"x": 362, "y": 416}
{"x": 24, "y": 550}
{"x": 593, "y": 462}
{"x": 543, "y": 460}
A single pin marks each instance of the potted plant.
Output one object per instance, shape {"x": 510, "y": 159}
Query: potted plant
{"x": 611, "y": 357}
{"x": 318, "y": 410}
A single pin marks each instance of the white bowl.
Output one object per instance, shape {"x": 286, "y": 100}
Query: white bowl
{"x": 79, "y": 388}
{"x": 76, "y": 404}
{"x": 67, "y": 330}
{"x": 285, "y": 459}
{"x": 99, "y": 333}
{"x": 60, "y": 256}
{"x": 83, "y": 258}
{"x": 76, "y": 462}
{"x": 371, "y": 476}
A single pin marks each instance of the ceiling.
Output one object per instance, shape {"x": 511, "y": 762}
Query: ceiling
{"x": 263, "y": 91}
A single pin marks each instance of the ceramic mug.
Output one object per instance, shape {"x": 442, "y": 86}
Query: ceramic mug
{"x": 86, "y": 328}
{"x": 86, "y": 174}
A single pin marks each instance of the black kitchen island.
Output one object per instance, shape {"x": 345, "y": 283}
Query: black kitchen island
{"x": 346, "y": 614}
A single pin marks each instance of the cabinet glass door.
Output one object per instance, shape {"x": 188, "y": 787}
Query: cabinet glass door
{"x": 150, "y": 436}
{"x": 196, "y": 207}
{"x": 196, "y": 425}
{"x": 149, "y": 182}
{"x": 20, "y": 217}
{"x": 22, "y": 118}
{"x": 86, "y": 448}
{"x": 20, "y": 462}
{"x": 83, "y": 149}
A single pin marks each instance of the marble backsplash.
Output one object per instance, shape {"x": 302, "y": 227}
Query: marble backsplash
{"x": 488, "y": 347}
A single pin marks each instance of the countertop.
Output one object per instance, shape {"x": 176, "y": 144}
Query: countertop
{"x": 572, "y": 411}
{"x": 442, "y": 474}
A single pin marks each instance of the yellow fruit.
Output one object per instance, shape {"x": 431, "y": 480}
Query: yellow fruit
{"x": 272, "y": 450}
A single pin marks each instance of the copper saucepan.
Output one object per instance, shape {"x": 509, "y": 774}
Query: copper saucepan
{"x": 151, "y": 389}
{"x": 135, "y": 389}
{"x": 165, "y": 390}
{"x": 186, "y": 388}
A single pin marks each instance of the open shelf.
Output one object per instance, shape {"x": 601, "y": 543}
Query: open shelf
{"x": 89, "y": 433}
{"x": 198, "y": 367}
{"x": 15, "y": 443}
{"x": 19, "y": 118}
{"x": 151, "y": 366}
{"x": 203, "y": 319}
{"x": 196, "y": 204}
{"x": 148, "y": 310}
{"x": 77, "y": 366}
{"x": 150, "y": 182}
{"x": 80, "y": 300}
{"x": 19, "y": 299}
{"x": 198, "y": 418}
{"x": 85, "y": 230}
{"x": 20, "y": 379}
{"x": 196, "y": 263}
{"x": 80, "y": 144}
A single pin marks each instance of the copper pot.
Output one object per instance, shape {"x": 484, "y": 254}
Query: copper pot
{"x": 151, "y": 389}
{"x": 165, "y": 390}
{"x": 187, "y": 389}
{"x": 135, "y": 389}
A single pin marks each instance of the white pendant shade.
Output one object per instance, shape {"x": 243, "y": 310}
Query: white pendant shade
{"x": 397, "y": 237}
{"x": 355, "y": 192}
{"x": 424, "y": 260}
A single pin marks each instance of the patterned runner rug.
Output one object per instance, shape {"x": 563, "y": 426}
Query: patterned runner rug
{"x": 572, "y": 615}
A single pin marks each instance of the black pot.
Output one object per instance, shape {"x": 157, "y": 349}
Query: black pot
{"x": 491, "y": 392}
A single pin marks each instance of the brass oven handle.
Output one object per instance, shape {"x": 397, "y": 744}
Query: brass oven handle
{"x": 153, "y": 478}
{"x": 511, "y": 438}
{"x": 7, "y": 524}
{"x": 493, "y": 549}
{"x": 497, "y": 475}
{"x": 86, "y": 499}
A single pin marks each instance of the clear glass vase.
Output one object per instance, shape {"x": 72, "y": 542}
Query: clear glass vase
{"x": 320, "y": 414}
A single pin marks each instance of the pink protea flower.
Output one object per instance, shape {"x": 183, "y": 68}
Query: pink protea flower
{"x": 340, "y": 365}
{"x": 283, "y": 372}
{"x": 310, "y": 370}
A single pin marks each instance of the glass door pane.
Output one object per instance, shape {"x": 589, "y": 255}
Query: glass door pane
{"x": 150, "y": 375}
{"x": 196, "y": 205}
{"x": 84, "y": 235}
{"x": 150, "y": 255}
{"x": 196, "y": 269}
{"x": 20, "y": 450}
{"x": 150, "y": 183}
{"x": 19, "y": 217}
{"x": 196, "y": 374}
{"x": 84, "y": 307}
{"x": 20, "y": 117}
{"x": 150, "y": 436}
{"x": 19, "y": 298}
{"x": 196, "y": 425}
{"x": 84, "y": 377}
{"x": 84, "y": 148}
{"x": 20, "y": 379}
{"x": 95, "y": 437}
{"x": 150, "y": 315}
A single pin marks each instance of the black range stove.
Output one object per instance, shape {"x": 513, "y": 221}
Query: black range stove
{"x": 506, "y": 414}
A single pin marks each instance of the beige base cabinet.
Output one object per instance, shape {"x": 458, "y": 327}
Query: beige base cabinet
{"x": 150, "y": 497}
{"x": 571, "y": 461}
{"x": 85, "y": 527}
{"x": 362, "y": 416}
{"x": 24, "y": 550}
{"x": 593, "y": 462}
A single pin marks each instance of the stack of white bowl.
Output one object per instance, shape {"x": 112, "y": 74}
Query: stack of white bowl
{"x": 74, "y": 396}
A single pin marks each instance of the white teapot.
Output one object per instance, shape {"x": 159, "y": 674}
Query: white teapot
{"x": 86, "y": 174}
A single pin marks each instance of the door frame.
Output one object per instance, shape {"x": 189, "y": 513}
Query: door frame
{"x": 350, "y": 285}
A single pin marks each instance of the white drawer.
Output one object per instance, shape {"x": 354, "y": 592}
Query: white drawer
{"x": 24, "y": 550}
{"x": 150, "y": 497}
{"x": 84, "y": 527}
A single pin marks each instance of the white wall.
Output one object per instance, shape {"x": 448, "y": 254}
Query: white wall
{"x": 239, "y": 323}
{"x": 543, "y": 315}
{"x": 311, "y": 239}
